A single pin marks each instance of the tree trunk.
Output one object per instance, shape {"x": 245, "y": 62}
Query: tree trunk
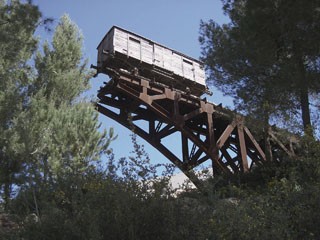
{"x": 303, "y": 90}
{"x": 305, "y": 110}
{"x": 7, "y": 193}
{"x": 266, "y": 129}
{"x": 267, "y": 144}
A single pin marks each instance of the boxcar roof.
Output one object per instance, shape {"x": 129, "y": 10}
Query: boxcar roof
{"x": 122, "y": 29}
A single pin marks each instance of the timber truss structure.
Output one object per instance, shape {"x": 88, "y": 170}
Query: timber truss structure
{"x": 207, "y": 132}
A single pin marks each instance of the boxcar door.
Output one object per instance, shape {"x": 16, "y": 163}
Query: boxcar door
{"x": 188, "y": 70}
{"x": 134, "y": 47}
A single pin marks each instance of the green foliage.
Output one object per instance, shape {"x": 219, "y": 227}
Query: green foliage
{"x": 56, "y": 186}
{"x": 274, "y": 201}
{"x": 17, "y": 44}
{"x": 62, "y": 140}
{"x": 48, "y": 133}
{"x": 62, "y": 75}
{"x": 267, "y": 57}
{"x": 104, "y": 204}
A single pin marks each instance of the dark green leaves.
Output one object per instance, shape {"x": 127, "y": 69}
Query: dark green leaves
{"x": 266, "y": 56}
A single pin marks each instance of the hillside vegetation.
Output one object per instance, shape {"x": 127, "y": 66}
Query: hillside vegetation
{"x": 55, "y": 185}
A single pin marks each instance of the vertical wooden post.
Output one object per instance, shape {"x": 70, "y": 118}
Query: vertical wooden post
{"x": 176, "y": 105}
{"x": 243, "y": 149}
{"x": 210, "y": 130}
{"x": 185, "y": 148}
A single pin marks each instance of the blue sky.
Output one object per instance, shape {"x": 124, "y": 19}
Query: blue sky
{"x": 173, "y": 23}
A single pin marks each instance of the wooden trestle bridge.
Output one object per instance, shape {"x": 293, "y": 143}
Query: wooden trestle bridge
{"x": 208, "y": 132}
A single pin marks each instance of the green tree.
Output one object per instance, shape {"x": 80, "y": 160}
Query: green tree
{"x": 59, "y": 131}
{"x": 62, "y": 72}
{"x": 119, "y": 201}
{"x": 62, "y": 192}
{"x": 267, "y": 56}
{"x": 277, "y": 200}
{"x": 18, "y": 22}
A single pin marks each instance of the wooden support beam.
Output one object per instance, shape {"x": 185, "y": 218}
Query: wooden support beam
{"x": 282, "y": 146}
{"x": 225, "y": 135}
{"x": 192, "y": 114}
{"x": 229, "y": 159}
{"x": 166, "y": 131}
{"x": 255, "y": 144}
{"x": 243, "y": 150}
{"x": 214, "y": 134}
{"x": 158, "y": 97}
{"x": 185, "y": 148}
{"x": 210, "y": 131}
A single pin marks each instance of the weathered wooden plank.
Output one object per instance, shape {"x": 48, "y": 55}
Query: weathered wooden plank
{"x": 131, "y": 49}
{"x": 243, "y": 150}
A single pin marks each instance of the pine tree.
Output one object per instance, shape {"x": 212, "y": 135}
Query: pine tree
{"x": 60, "y": 129}
{"x": 18, "y": 22}
{"x": 267, "y": 56}
{"x": 49, "y": 133}
{"x": 62, "y": 73}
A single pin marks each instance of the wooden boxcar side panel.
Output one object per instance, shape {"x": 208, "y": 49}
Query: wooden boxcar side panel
{"x": 158, "y": 55}
{"x": 146, "y": 51}
{"x": 187, "y": 68}
{"x": 106, "y": 45}
{"x": 125, "y": 44}
{"x": 134, "y": 47}
{"x": 120, "y": 42}
{"x": 199, "y": 74}
{"x": 176, "y": 64}
{"x": 167, "y": 59}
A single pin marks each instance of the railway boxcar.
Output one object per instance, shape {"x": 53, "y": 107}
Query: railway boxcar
{"x": 122, "y": 49}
